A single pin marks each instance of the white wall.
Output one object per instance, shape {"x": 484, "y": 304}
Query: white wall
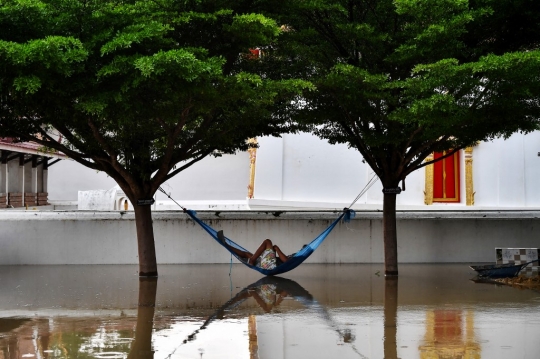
{"x": 221, "y": 178}
{"x": 302, "y": 168}
{"x": 315, "y": 170}
{"x": 531, "y": 162}
{"x": 224, "y": 178}
{"x": 506, "y": 172}
{"x": 269, "y": 169}
{"x": 79, "y": 237}
{"x": 66, "y": 178}
{"x": 299, "y": 169}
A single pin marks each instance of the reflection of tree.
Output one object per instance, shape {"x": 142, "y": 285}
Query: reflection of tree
{"x": 142, "y": 345}
{"x": 390, "y": 317}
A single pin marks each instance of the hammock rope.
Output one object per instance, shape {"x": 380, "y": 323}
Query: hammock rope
{"x": 294, "y": 260}
{"x": 368, "y": 185}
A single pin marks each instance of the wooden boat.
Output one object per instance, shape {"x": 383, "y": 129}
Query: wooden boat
{"x": 500, "y": 270}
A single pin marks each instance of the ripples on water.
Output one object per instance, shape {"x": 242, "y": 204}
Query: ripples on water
{"x": 317, "y": 311}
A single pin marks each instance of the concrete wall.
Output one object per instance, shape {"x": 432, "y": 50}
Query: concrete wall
{"x": 31, "y": 237}
{"x": 223, "y": 178}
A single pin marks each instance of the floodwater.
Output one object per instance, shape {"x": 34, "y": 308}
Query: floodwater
{"x": 315, "y": 311}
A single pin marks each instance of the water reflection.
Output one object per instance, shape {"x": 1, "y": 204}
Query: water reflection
{"x": 39, "y": 338}
{"x": 142, "y": 345}
{"x": 268, "y": 293}
{"x": 390, "y": 317}
{"x": 448, "y": 335}
{"x": 320, "y": 312}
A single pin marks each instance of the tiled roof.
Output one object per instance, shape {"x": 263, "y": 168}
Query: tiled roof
{"x": 8, "y": 144}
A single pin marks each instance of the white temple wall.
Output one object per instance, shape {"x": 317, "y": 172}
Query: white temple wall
{"x": 506, "y": 172}
{"x": 314, "y": 170}
{"x": 414, "y": 190}
{"x": 269, "y": 169}
{"x": 532, "y": 169}
{"x": 299, "y": 170}
{"x": 511, "y": 173}
{"x": 222, "y": 178}
{"x": 66, "y": 178}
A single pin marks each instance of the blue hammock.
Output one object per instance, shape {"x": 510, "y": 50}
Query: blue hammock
{"x": 293, "y": 261}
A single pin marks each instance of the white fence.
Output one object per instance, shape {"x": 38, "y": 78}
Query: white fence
{"x": 80, "y": 237}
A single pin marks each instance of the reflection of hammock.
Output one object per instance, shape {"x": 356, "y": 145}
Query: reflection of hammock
{"x": 295, "y": 290}
{"x": 294, "y": 261}
{"x": 291, "y": 287}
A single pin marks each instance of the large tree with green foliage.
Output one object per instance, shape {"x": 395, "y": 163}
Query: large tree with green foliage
{"x": 399, "y": 79}
{"x": 140, "y": 90}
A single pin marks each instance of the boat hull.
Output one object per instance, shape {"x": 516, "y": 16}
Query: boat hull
{"x": 498, "y": 271}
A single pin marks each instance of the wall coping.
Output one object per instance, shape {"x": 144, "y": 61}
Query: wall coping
{"x": 25, "y": 215}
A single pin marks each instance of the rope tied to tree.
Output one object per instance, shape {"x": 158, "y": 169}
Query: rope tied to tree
{"x": 166, "y": 194}
{"x": 368, "y": 185}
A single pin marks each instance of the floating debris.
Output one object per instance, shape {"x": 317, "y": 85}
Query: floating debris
{"x": 522, "y": 281}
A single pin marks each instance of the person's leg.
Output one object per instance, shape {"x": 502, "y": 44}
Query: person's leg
{"x": 280, "y": 254}
{"x": 266, "y": 244}
{"x": 238, "y": 252}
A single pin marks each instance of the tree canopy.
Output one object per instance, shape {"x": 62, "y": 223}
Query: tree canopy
{"x": 399, "y": 79}
{"x": 138, "y": 89}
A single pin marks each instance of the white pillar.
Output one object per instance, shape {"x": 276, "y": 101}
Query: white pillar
{"x": 41, "y": 196}
{"x": 45, "y": 174}
{"x": 34, "y": 180}
{"x": 21, "y": 174}
{"x": 3, "y": 179}
{"x": 4, "y": 173}
{"x": 15, "y": 179}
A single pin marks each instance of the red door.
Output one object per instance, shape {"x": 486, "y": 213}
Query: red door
{"x": 446, "y": 178}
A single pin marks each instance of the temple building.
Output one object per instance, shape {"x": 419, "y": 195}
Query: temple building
{"x": 24, "y": 173}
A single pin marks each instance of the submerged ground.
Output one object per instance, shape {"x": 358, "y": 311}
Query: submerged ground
{"x": 316, "y": 311}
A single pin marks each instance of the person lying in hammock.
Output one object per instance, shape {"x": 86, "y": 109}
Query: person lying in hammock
{"x": 267, "y": 256}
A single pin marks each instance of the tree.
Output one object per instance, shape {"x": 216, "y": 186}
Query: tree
{"x": 140, "y": 90}
{"x": 399, "y": 79}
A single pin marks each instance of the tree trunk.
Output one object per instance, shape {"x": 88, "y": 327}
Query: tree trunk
{"x": 390, "y": 235}
{"x": 145, "y": 240}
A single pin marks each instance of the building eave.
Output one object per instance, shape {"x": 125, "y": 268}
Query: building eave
{"x": 30, "y": 148}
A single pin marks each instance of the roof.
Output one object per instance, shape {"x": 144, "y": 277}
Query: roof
{"x": 9, "y": 144}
